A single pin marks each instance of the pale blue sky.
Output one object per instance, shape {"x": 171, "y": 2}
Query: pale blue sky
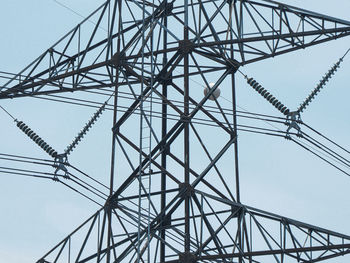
{"x": 37, "y": 214}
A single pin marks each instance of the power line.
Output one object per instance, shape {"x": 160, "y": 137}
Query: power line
{"x": 78, "y": 14}
{"x": 7, "y": 112}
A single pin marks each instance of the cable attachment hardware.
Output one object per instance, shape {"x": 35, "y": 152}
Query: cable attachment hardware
{"x": 36, "y": 138}
{"x": 293, "y": 117}
{"x": 59, "y": 164}
{"x": 293, "y": 121}
{"x": 268, "y": 96}
{"x": 88, "y": 125}
{"x": 320, "y": 85}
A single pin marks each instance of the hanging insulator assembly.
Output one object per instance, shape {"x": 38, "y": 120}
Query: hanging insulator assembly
{"x": 85, "y": 129}
{"x": 320, "y": 85}
{"x": 36, "y": 138}
{"x": 268, "y": 96}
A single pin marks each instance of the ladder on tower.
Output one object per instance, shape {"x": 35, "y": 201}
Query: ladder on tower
{"x": 145, "y": 177}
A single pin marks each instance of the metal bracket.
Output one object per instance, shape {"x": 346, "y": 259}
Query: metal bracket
{"x": 186, "y": 46}
{"x": 188, "y": 192}
{"x": 59, "y": 164}
{"x": 293, "y": 121}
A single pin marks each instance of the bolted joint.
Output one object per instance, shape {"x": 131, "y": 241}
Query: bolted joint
{"x": 185, "y": 118}
{"x": 233, "y": 65}
{"x": 169, "y": 8}
{"x": 234, "y": 135}
{"x": 186, "y": 46}
{"x": 115, "y": 130}
{"x": 188, "y": 190}
{"x": 110, "y": 204}
{"x": 236, "y": 211}
{"x": 165, "y": 221}
{"x": 165, "y": 80}
{"x": 165, "y": 149}
{"x": 118, "y": 59}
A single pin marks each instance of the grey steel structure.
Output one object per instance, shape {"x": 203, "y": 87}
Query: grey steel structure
{"x": 167, "y": 208}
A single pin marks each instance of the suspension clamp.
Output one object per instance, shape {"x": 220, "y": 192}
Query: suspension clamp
{"x": 59, "y": 164}
{"x": 293, "y": 120}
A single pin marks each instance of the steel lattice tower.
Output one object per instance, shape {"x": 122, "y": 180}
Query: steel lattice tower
{"x": 164, "y": 204}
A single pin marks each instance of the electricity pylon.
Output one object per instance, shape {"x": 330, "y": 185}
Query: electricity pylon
{"x": 167, "y": 205}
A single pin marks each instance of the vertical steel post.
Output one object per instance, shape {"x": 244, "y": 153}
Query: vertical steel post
{"x": 164, "y": 132}
{"x": 235, "y": 135}
{"x": 115, "y": 107}
{"x": 186, "y": 132}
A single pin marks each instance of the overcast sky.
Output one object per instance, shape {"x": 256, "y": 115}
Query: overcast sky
{"x": 37, "y": 214}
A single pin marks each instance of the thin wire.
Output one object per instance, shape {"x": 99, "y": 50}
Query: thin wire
{"x": 53, "y": 176}
{"x": 24, "y": 174}
{"x": 332, "y": 156}
{"x": 7, "y": 112}
{"x": 26, "y": 157}
{"x": 303, "y": 146}
{"x": 174, "y": 116}
{"x": 323, "y": 136}
{"x": 23, "y": 161}
{"x": 345, "y": 53}
{"x": 77, "y": 191}
{"x": 87, "y": 188}
{"x": 28, "y": 171}
{"x": 227, "y": 111}
{"x": 89, "y": 185}
{"x": 85, "y": 174}
{"x": 78, "y": 14}
{"x": 327, "y": 149}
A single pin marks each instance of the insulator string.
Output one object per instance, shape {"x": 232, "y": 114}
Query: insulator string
{"x": 320, "y": 86}
{"x": 33, "y": 136}
{"x": 36, "y": 138}
{"x": 86, "y": 128}
{"x": 268, "y": 96}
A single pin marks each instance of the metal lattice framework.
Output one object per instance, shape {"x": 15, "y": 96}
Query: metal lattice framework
{"x": 166, "y": 206}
